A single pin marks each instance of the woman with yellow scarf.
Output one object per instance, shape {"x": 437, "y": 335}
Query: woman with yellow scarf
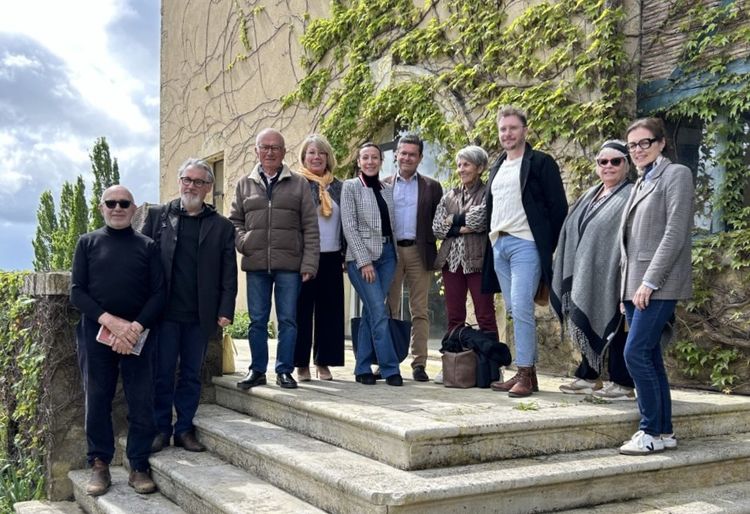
{"x": 320, "y": 308}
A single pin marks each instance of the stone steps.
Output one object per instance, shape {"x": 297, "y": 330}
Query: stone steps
{"x": 120, "y": 498}
{"x": 726, "y": 499}
{"x": 201, "y": 482}
{"x": 338, "y": 480}
{"x": 46, "y": 507}
{"x": 424, "y": 425}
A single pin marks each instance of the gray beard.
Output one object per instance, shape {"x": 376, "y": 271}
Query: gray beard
{"x": 191, "y": 202}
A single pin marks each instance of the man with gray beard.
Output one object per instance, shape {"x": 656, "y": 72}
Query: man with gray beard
{"x": 196, "y": 245}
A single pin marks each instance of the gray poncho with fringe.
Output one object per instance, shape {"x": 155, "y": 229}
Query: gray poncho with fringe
{"x": 585, "y": 279}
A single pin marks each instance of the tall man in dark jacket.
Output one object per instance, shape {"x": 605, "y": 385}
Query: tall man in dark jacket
{"x": 276, "y": 226}
{"x": 196, "y": 245}
{"x": 415, "y": 199}
{"x": 117, "y": 284}
{"x": 526, "y": 207}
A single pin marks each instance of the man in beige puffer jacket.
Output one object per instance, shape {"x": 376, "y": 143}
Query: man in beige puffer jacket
{"x": 276, "y": 227}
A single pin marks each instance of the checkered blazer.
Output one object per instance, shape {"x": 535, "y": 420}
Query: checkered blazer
{"x": 360, "y": 219}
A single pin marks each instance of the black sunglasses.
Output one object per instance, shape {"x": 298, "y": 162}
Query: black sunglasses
{"x": 122, "y": 203}
{"x": 616, "y": 161}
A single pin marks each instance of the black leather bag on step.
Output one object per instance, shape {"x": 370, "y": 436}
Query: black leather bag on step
{"x": 400, "y": 335}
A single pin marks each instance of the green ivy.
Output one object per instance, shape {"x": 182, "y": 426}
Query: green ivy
{"x": 564, "y": 62}
{"x": 21, "y": 361}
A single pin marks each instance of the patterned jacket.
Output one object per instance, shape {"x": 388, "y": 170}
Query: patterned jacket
{"x": 360, "y": 218}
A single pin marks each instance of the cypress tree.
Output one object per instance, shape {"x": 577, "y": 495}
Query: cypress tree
{"x": 106, "y": 173}
{"x": 45, "y": 228}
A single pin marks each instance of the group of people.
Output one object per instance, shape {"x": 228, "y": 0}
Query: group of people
{"x": 622, "y": 260}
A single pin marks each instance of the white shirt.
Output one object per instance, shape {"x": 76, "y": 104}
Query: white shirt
{"x": 330, "y": 230}
{"x": 508, "y": 214}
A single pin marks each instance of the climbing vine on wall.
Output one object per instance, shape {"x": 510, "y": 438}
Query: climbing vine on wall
{"x": 444, "y": 68}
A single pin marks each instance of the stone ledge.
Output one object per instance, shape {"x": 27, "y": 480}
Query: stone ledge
{"x": 53, "y": 283}
{"x": 47, "y": 507}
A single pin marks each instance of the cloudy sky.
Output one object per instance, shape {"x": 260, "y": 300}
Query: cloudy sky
{"x": 70, "y": 72}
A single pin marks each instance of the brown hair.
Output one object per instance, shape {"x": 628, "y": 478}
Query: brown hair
{"x": 509, "y": 110}
{"x": 653, "y": 125}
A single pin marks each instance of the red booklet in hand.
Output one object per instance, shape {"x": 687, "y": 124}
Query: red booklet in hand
{"x": 106, "y": 337}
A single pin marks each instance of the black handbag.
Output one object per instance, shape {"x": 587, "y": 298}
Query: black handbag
{"x": 400, "y": 335}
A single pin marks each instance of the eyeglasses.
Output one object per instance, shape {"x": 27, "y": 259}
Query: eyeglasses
{"x": 186, "y": 181}
{"x": 645, "y": 144}
{"x": 270, "y": 148}
{"x": 616, "y": 161}
{"x": 111, "y": 204}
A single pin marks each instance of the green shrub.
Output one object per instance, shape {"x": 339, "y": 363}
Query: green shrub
{"x": 238, "y": 328}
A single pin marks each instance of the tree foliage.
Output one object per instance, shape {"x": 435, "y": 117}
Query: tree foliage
{"x": 57, "y": 232}
{"x": 106, "y": 173}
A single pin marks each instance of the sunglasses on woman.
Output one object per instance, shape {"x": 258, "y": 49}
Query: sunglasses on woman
{"x": 616, "y": 161}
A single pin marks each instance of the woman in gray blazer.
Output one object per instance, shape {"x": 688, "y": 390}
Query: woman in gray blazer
{"x": 366, "y": 216}
{"x": 656, "y": 272}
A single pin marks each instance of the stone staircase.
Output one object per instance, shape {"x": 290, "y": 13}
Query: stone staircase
{"x": 346, "y": 448}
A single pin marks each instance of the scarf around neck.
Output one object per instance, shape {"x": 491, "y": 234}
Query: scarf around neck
{"x": 326, "y": 205}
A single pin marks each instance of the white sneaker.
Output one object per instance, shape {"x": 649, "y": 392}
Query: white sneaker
{"x": 642, "y": 444}
{"x": 438, "y": 378}
{"x": 669, "y": 440}
{"x": 615, "y": 392}
{"x": 581, "y": 386}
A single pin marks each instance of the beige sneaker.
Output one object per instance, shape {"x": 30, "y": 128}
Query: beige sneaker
{"x": 615, "y": 392}
{"x": 581, "y": 386}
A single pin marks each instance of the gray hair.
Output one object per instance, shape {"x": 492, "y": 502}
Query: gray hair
{"x": 197, "y": 163}
{"x": 475, "y": 155}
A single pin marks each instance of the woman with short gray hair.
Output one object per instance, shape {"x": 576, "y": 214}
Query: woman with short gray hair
{"x": 460, "y": 222}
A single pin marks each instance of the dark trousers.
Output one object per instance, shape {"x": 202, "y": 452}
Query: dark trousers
{"x": 618, "y": 371}
{"x": 320, "y": 315}
{"x": 100, "y": 367}
{"x": 184, "y": 342}
{"x": 457, "y": 285}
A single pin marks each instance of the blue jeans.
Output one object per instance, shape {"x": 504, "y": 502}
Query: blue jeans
{"x": 374, "y": 337}
{"x": 100, "y": 367}
{"x": 285, "y": 286}
{"x": 518, "y": 270}
{"x": 643, "y": 357}
{"x": 186, "y": 342}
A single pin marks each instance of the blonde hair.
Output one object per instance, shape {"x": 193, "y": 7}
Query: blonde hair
{"x": 322, "y": 144}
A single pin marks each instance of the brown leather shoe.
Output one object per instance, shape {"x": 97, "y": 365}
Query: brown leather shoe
{"x": 507, "y": 385}
{"x": 141, "y": 482}
{"x": 189, "y": 442}
{"x": 524, "y": 385}
{"x": 100, "y": 479}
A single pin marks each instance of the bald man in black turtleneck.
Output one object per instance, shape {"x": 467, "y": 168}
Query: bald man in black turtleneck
{"x": 117, "y": 283}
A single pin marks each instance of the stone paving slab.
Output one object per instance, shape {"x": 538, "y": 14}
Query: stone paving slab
{"x": 120, "y": 498}
{"x": 425, "y": 425}
{"x": 338, "y": 480}
{"x": 46, "y": 507}
{"x": 725, "y": 499}
{"x": 201, "y": 482}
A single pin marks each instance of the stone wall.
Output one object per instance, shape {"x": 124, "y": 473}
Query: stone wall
{"x": 65, "y": 445}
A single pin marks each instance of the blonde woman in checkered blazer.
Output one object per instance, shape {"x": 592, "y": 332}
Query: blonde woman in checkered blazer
{"x": 367, "y": 217}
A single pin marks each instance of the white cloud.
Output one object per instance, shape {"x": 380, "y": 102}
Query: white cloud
{"x": 75, "y": 149}
{"x": 19, "y": 61}
{"x": 77, "y": 33}
{"x": 12, "y": 182}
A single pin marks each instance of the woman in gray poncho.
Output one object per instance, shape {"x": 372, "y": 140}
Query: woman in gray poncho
{"x": 586, "y": 278}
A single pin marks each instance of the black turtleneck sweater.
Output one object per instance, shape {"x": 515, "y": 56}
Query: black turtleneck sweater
{"x": 118, "y": 271}
{"x": 385, "y": 219}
